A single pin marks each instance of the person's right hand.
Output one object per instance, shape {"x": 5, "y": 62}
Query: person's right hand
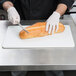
{"x": 13, "y": 15}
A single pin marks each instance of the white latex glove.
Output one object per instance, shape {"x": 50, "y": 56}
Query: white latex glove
{"x": 13, "y": 15}
{"x": 52, "y": 22}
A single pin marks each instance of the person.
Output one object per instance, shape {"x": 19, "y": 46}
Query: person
{"x": 51, "y": 10}
{"x": 37, "y": 9}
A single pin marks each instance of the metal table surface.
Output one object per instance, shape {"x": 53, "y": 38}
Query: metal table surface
{"x": 37, "y": 59}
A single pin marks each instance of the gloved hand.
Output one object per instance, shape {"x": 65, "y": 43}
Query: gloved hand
{"x": 52, "y": 22}
{"x": 13, "y": 15}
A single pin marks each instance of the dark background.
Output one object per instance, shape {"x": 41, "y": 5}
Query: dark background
{"x": 39, "y": 73}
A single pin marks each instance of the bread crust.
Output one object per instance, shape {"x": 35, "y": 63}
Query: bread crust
{"x": 38, "y": 30}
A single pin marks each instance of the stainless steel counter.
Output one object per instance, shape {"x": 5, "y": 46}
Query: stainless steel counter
{"x": 37, "y": 59}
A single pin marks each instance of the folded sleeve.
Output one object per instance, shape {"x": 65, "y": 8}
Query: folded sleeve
{"x": 2, "y": 1}
{"x": 67, "y": 2}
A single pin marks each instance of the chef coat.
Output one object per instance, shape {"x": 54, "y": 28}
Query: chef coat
{"x": 37, "y": 9}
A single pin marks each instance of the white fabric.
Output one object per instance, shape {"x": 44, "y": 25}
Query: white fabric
{"x": 13, "y": 15}
{"x": 52, "y": 22}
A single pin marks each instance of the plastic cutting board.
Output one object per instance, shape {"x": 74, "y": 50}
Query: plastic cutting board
{"x": 12, "y": 40}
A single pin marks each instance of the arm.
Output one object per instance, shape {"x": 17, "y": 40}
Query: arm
{"x": 53, "y": 20}
{"x": 64, "y": 5}
{"x": 6, "y": 5}
{"x": 60, "y": 7}
{"x": 13, "y": 15}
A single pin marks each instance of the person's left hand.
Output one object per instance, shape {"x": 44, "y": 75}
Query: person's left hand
{"x": 52, "y": 22}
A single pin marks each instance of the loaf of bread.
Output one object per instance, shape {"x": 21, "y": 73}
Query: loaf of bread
{"x": 38, "y": 30}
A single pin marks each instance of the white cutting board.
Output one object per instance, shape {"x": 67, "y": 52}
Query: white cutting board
{"x": 12, "y": 40}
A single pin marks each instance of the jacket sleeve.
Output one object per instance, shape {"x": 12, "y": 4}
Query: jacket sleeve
{"x": 67, "y": 2}
{"x": 2, "y": 1}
